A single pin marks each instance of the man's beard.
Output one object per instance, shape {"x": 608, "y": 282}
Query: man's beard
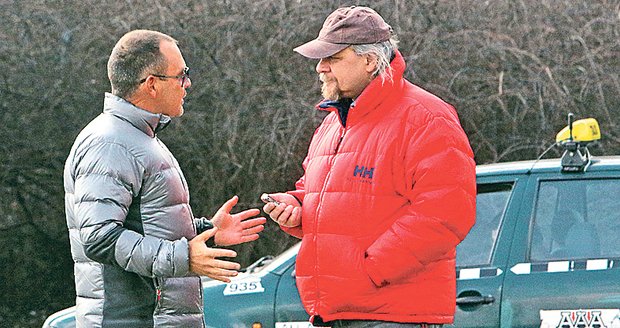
{"x": 330, "y": 89}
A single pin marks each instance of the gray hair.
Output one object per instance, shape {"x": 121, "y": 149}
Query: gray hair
{"x": 133, "y": 55}
{"x": 383, "y": 51}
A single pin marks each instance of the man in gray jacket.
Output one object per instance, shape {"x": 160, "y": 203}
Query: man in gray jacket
{"x": 137, "y": 247}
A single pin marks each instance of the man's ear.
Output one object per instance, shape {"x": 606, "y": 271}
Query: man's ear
{"x": 150, "y": 87}
{"x": 371, "y": 63}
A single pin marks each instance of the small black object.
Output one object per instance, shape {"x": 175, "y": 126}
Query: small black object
{"x": 203, "y": 224}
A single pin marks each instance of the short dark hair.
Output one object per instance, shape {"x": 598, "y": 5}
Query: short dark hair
{"x": 135, "y": 53}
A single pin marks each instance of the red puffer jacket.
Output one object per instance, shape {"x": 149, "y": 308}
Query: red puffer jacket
{"x": 386, "y": 199}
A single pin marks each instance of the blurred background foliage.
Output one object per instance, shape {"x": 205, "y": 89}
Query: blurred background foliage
{"x": 512, "y": 68}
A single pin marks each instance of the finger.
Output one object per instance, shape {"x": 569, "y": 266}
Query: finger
{"x": 221, "y": 275}
{"x": 247, "y": 214}
{"x": 222, "y": 272}
{"x": 225, "y": 265}
{"x": 295, "y": 217}
{"x": 289, "y": 210}
{"x": 207, "y": 234}
{"x": 253, "y": 222}
{"x": 220, "y": 278}
{"x": 277, "y": 211}
{"x": 267, "y": 208}
{"x": 286, "y": 215}
{"x": 228, "y": 206}
{"x": 296, "y": 213}
{"x": 249, "y": 238}
{"x": 221, "y": 252}
{"x": 253, "y": 230}
{"x": 291, "y": 218}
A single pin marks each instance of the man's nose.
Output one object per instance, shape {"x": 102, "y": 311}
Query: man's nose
{"x": 188, "y": 83}
{"x": 322, "y": 66}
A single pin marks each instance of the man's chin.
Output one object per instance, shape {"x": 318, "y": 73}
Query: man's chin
{"x": 178, "y": 113}
{"x": 332, "y": 98}
{"x": 330, "y": 93}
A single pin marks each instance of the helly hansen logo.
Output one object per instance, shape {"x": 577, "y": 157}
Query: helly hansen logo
{"x": 363, "y": 172}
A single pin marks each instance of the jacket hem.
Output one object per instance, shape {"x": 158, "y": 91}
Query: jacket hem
{"x": 429, "y": 319}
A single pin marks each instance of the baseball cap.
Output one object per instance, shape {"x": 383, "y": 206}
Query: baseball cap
{"x": 344, "y": 27}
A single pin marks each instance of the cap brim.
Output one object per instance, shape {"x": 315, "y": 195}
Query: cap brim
{"x": 317, "y": 49}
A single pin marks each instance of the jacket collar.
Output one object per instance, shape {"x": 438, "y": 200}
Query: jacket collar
{"x": 374, "y": 94}
{"x": 143, "y": 120}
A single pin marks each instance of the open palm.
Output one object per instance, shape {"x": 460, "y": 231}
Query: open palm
{"x": 236, "y": 228}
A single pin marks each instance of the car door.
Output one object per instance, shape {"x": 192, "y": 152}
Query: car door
{"x": 565, "y": 260}
{"x": 482, "y": 256}
{"x": 290, "y": 313}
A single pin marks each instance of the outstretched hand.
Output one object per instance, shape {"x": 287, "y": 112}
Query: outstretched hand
{"x": 236, "y": 228}
{"x": 204, "y": 260}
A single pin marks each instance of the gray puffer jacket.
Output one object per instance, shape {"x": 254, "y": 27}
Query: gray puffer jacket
{"x": 129, "y": 219}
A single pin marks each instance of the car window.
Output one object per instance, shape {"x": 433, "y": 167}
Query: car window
{"x": 576, "y": 219}
{"x": 491, "y": 202}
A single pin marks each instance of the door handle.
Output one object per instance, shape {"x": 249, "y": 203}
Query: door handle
{"x": 474, "y": 300}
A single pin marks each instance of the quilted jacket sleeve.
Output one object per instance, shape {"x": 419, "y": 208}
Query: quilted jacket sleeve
{"x": 107, "y": 179}
{"x": 441, "y": 194}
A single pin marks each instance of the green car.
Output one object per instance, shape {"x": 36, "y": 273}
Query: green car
{"x": 544, "y": 252}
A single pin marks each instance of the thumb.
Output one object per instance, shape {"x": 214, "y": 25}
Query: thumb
{"x": 207, "y": 234}
{"x": 228, "y": 206}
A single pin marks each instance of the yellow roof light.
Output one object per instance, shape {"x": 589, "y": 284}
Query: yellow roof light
{"x": 584, "y": 130}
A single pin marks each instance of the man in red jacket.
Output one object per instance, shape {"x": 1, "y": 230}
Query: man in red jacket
{"x": 388, "y": 191}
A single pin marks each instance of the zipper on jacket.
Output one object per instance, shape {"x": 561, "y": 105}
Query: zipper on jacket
{"x": 173, "y": 164}
{"x": 157, "y": 293}
{"x": 344, "y": 131}
{"x": 342, "y": 115}
{"x": 330, "y": 162}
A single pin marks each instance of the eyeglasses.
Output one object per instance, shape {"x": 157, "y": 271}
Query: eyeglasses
{"x": 184, "y": 78}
